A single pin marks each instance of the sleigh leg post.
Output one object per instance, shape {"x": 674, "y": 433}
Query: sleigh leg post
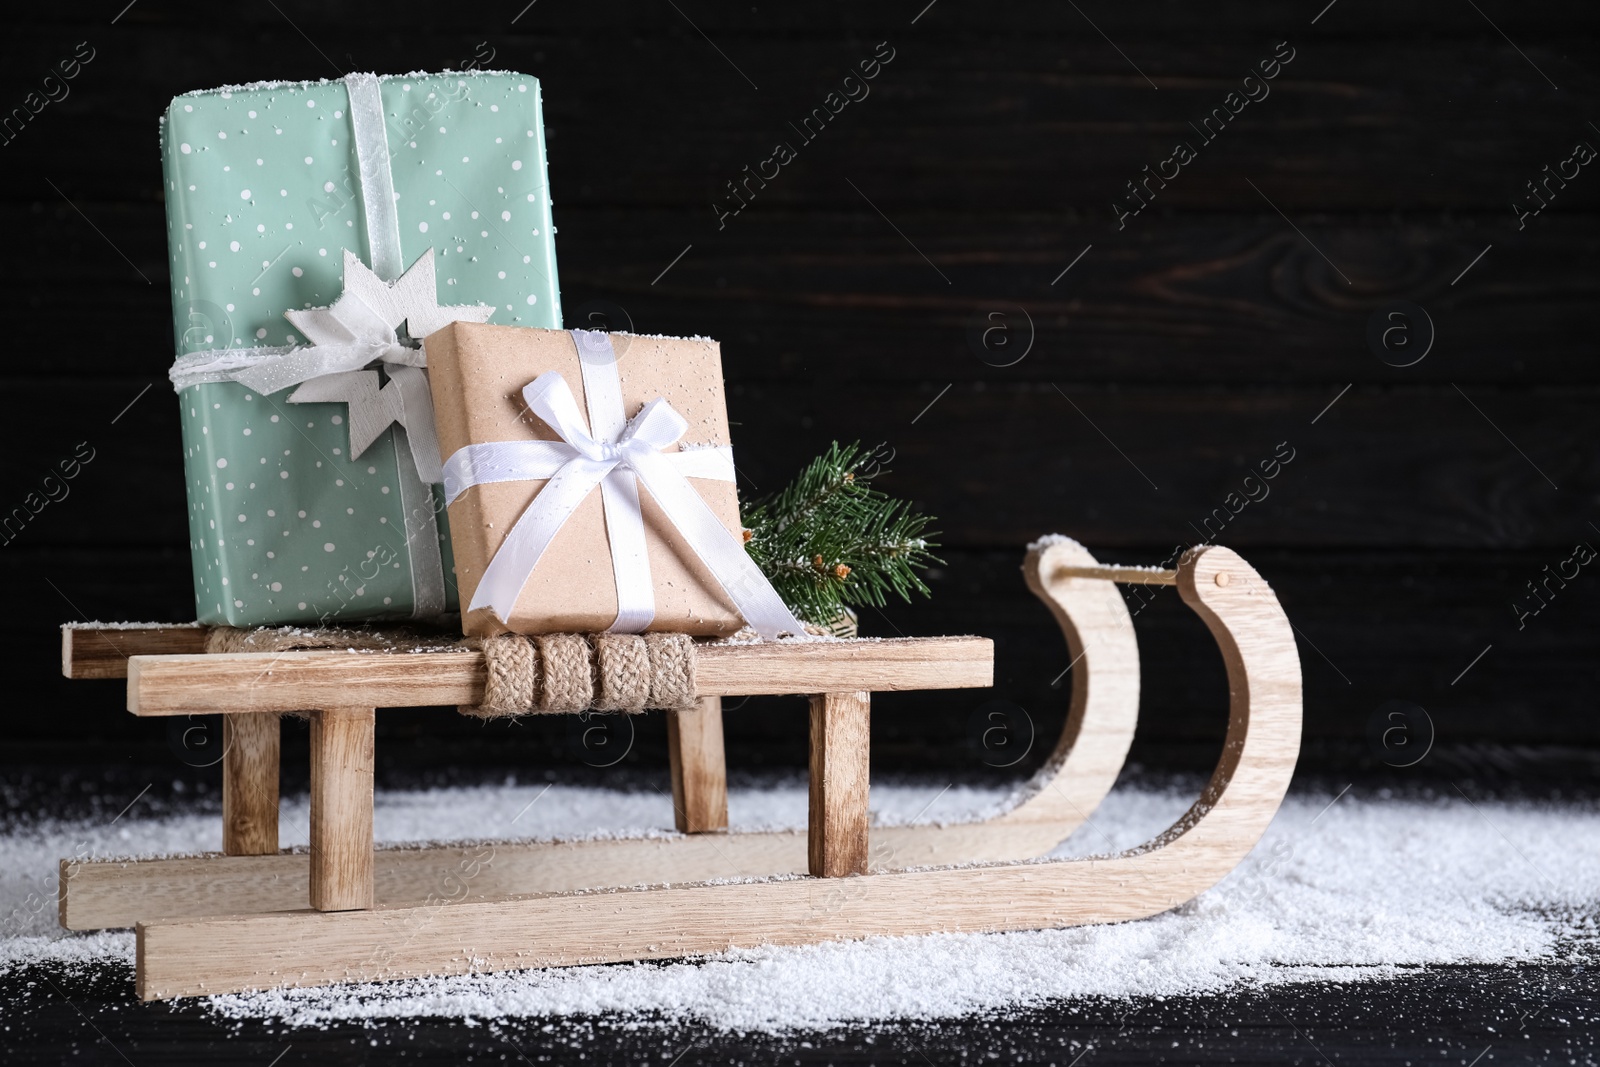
{"x": 837, "y": 843}
{"x": 341, "y": 808}
{"x": 699, "y": 767}
{"x": 250, "y": 753}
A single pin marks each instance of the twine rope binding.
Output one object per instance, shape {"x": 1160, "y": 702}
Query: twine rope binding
{"x": 544, "y": 674}
{"x": 554, "y": 673}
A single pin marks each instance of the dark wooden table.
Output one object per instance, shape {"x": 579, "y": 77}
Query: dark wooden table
{"x": 1455, "y": 1015}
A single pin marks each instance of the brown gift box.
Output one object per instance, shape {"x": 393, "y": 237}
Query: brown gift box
{"x": 477, "y": 372}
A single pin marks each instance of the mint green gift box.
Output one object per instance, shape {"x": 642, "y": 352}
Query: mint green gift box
{"x": 267, "y": 186}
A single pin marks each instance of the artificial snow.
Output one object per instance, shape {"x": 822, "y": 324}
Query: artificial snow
{"x": 130, "y": 625}
{"x": 1343, "y": 888}
{"x": 1050, "y": 539}
{"x": 315, "y": 83}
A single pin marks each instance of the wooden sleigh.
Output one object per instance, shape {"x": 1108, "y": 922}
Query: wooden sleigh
{"x": 256, "y": 917}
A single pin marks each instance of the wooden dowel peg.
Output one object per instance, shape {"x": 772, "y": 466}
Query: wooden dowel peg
{"x": 1125, "y": 575}
{"x": 837, "y": 844}
{"x": 341, "y": 808}
{"x": 250, "y": 754}
{"x": 699, "y": 768}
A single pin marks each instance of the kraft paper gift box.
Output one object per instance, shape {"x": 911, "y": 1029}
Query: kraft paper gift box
{"x": 480, "y": 374}
{"x": 268, "y": 186}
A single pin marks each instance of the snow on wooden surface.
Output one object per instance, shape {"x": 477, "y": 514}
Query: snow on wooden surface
{"x": 1367, "y": 887}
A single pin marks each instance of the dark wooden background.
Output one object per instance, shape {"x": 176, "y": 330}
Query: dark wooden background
{"x": 987, "y": 156}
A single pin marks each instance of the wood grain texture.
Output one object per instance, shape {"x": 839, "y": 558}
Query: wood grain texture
{"x": 202, "y": 956}
{"x": 90, "y": 651}
{"x": 1228, "y": 298}
{"x": 250, "y": 758}
{"x": 341, "y": 808}
{"x": 837, "y": 831}
{"x": 110, "y": 894}
{"x": 300, "y": 681}
{"x": 1324, "y": 497}
{"x": 1195, "y": 301}
{"x": 1068, "y": 111}
{"x": 118, "y": 894}
{"x": 1126, "y": 575}
{"x": 698, "y": 766}
{"x": 873, "y": 664}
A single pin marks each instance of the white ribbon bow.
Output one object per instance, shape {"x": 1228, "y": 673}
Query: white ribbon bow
{"x": 615, "y": 462}
{"x": 360, "y": 328}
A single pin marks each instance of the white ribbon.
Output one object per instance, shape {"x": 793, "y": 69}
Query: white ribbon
{"x": 617, "y": 455}
{"x": 359, "y": 329}
{"x": 369, "y": 131}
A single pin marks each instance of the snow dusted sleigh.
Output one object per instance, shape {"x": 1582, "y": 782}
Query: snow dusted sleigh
{"x": 256, "y": 917}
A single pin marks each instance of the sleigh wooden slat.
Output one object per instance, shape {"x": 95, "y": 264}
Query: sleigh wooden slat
{"x": 305, "y": 681}
{"x": 92, "y": 651}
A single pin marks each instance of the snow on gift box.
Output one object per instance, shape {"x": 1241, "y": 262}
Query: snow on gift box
{"x": 356, "y": 215}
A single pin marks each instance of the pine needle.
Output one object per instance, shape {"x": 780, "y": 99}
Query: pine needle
{"x": 829, "y": 539}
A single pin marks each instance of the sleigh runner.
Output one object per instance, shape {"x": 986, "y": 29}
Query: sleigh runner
{"x": 256, "y": 917}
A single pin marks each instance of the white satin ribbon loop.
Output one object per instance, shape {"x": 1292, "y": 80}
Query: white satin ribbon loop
{"x": 549, "y": 397}
{"x": 655, "y": 427}
{"x": 582, "y": 461}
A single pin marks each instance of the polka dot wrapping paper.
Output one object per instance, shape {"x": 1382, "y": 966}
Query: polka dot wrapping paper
{"x": 263, "y": 196}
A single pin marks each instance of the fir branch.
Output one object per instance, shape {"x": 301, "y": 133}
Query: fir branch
{"x": 830, "y": 539}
